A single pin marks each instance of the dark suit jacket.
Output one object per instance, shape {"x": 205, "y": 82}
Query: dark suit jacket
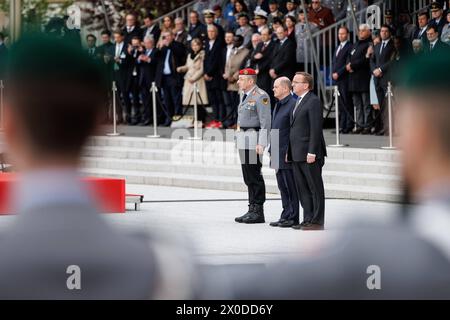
{"x": 137, "y": 32}
{"x": 264, "y": 80}
{"x": 439, "y": 45}
{"x": 156, "y": 32}
{"x": 306, "y": 135}
{"x": 199, "y": 31}
{"x": 213, "y": 64}
{"x": 147, "y": 70}
{"x": 422, "y": 37}
{"x": 124, "y": 74}
{"x": 340, "y": 62}
{"x": 382, "y": 61}
{"x": 359, "y": 79}
{"x": 182, "y": 38}
{"x": 177, "y": 59}
{"x": 283, "y": 59}
{"x": 281, "y": 121}
{"x": 439, "y": 25}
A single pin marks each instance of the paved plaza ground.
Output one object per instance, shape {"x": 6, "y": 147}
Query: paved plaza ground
{"x": 209, "y": 225}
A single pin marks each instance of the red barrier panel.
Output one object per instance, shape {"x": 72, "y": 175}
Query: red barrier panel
{"x": 108, "y": 192}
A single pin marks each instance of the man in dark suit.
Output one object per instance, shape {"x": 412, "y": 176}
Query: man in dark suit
{"x": 150, "y": 28}
{"x": 340, "y": 76}
{"x": 106, "y": 55}
{"x": 147, "y": 62}
{"x": 307, "y": 151}
{"x": 358, "y": 66}
{"x": 262, "y": 57}
{"x": 434, "y": 43}
{"x": 279, "y": 142}
{"x": 133, "y": 51}
{"x": 92, "y": 49}
{"x": 380, "y": 64}
{"x": 213, "y": 68}
{"x": 196, "y": 28}
{"x": 131, "y": 29}
{"x": 172, "y": 56}
{"x": 122, "y": 70}
{"x": 421, "y": 31}
{"x": 283, "y": 59}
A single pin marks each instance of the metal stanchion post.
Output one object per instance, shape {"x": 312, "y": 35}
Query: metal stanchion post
{"x": 336, "y": 114}
{"x": 1, "y": 105}
{"x": 389, "y": 97}
{"x": 354, "y": 117}
{"x": 155, "y": 134}
{"x": 195, "y": 137}
{"x": 114, "y": 133}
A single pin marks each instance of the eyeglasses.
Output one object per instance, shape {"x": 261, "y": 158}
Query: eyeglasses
{"x": 297, "y": 82}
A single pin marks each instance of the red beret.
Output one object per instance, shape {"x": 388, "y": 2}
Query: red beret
{"x": 247, "y": 72}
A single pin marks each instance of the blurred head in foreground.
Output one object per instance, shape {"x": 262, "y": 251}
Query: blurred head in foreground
{"x": 423, "y": 125}
{"x": 54, "y": 94}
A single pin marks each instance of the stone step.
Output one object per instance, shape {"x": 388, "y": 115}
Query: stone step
{"x": 330, "y": 176}
{"x": 225, "y": 147}
{"x": 381, "y": 167}
{"x": 332, "y": 190}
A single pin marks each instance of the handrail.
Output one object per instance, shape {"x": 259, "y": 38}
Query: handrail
{"x": 176, "y": 11}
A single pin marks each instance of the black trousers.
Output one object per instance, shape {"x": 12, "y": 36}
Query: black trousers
{"x": 231, "y": 101}
{"x": 251, "y": 171}
{"x": 172, "y": 96}
{"x": 308, "y": 179}
{"x": 345, "y": 106}
{"x": 215, "y": 97}
{"x": 289, "y": 197}
{"x": 382, "y": 121}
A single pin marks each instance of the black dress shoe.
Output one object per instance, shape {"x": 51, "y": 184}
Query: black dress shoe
{"x": 366, "y": 131}
{"x": 380, "y": 133}
{"x": 313, "y": 226}
{"x": 299, "y": 226}
{"x": 357, "y": 131}
{"x": 145, "y": 123}
{"x": 241, "y": 218}
{"x": 276, "y": 223}
{"x": 287, "y": 224}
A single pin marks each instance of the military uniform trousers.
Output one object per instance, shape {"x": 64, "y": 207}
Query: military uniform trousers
{"x": 251, "y": 170}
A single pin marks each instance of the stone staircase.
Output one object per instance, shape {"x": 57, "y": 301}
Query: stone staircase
{"x": 349, "y": 173}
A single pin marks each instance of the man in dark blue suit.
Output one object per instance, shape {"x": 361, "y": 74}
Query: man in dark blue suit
{"x": 380, "y": 66}
{"x": 307, "y": 152}
{"x": 340, "y": 77}
{"x": 279, "y": 142}
{"x": 147, "y": 62}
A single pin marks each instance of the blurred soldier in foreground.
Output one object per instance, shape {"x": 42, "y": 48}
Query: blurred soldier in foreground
{"x": 254, "y": 120}
{"x": 407, "y": 260}
{"x": 55, "y": 98}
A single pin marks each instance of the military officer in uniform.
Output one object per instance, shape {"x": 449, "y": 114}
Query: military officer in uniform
{"x": 253, "y": 127}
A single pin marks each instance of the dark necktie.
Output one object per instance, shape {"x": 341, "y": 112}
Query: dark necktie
{"x": 383, "y": 44}
{"x": 338, "y": 50}
{"x": 296, "y": 105}
{"x": 244, "y": 97}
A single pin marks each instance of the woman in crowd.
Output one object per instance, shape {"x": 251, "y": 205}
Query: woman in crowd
{"x": 194, "y": 74}
{"x": 290, "y": 22}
